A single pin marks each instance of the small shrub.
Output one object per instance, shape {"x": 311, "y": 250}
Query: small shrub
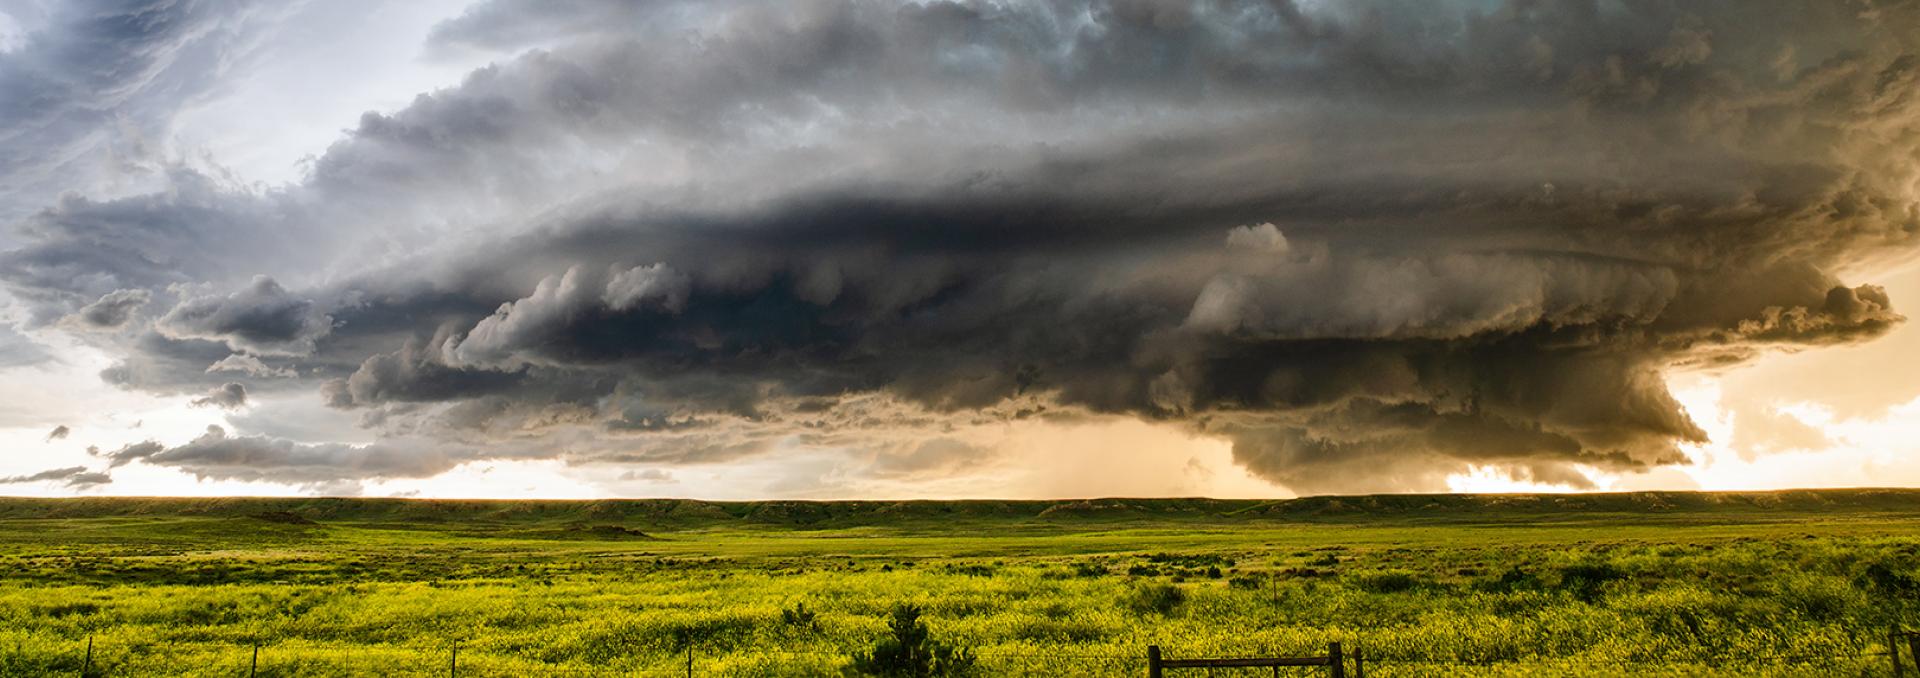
{"x": 971, "y": 570}
{"x": 1586, "y": 581}
{"x": 800, "y": 616}
{"x": 1514, "y": 579}
{"x": 1881, "y": 577}
{"x": 909, "y": 652}
{"x": 1244, "y": 583}
{"x": 1818, "y": 597}
{"x": 1385, "y": 582}
{"x": 1155, "y": 598}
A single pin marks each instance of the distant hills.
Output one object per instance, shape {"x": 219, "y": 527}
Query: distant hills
{"x": 694, "y": 514}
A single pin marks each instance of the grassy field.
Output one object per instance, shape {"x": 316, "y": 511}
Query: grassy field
{"x": 1735, "y": 584}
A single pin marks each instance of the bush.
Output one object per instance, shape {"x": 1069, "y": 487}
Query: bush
{"x": 909, "y": 652}
{"x": 1385, "y": 582}
{"x": 1881, "y": 577}
{"x": 1155, "y": 598}
{"x": 1587, "y": 580}
{"x": 1514, "y": 579}
{"x": 800, "y": 616}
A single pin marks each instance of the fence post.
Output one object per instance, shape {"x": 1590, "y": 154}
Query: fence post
{"x": 1334, "y": 660}
{"x": 254, "y": 666}
{"x": 1359, "y": 665}
{"x": 86, "y": 665}
{"x": 1913, "y": 644}
{"x": 1893, "y": 651}
{"x": 1153, "y": 661}
{"x": 453, "y": 661}
{"x": 689, "y": 660}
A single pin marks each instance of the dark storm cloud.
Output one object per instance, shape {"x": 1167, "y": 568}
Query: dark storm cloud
{"x": 80, "y": 249}
{"x": 1372, "y": 243}
{"x": 261, "y": 318}
{"x": 76, "y": 477}
{"x": 415, "y": 373}
{"x": 113, "y": 309}
{"x": 155, "y": 363}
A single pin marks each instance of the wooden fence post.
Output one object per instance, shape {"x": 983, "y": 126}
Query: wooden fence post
{"x": 1913, "y": 645}
{"x": 254, "y": 666}
{"x": 453, "y": 661}
{"x": 689, "y": 660}
{"x": 86, "y": 665}
{"x": 1153, "y": 661}
{"x": 1334, "y": 660}
{"x": 1359, "y": 667}
{"x": 1893, "y": 651}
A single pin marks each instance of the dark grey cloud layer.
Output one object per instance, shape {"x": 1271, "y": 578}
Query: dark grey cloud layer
{"x": 112, "y": 309}
{"x": 261, "y": 318}
{"x": 1372, "y": 243}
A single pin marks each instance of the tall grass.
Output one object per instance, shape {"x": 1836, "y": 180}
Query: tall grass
{"x": 1766, "y": 599}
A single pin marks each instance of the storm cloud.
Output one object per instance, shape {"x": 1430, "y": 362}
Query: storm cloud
{"x": 1372, "y": 244}
{"x": 113, "y": 309}
{"x": 260, "y": 318}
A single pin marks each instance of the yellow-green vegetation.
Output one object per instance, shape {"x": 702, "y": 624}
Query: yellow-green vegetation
{"x": 1792, "y": 583}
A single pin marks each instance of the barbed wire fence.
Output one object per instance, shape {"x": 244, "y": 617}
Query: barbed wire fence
{"x": 95, "y": 659}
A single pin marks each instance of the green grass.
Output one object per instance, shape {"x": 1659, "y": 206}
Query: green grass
{"x": 1792, "y": 583}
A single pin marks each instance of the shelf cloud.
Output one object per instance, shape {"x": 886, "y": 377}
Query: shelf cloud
{"x": 1371, "y": 243}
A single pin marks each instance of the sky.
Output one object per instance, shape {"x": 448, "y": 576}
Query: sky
{"x": 834, "y": 249}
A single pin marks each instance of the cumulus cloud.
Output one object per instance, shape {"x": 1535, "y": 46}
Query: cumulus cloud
{"x": 652, "y": 475}
{"x": 112, "y": 310}
{"x": 1455, "y": 236}
{"x": 59, "y": 433}
{"x": 74, "y": 477}
{"x": 417, "y": 372}
{"x": 226, "y": 396}
{"x": 261, "y": 318}
{"x": 217, "y": 455}
{"x": 251, "y": 366}
{"x": 655, "y": 285}
{"x": 1258, "y": 238}
{"x": 530, "y": 326}
{"x": 128, "y": 453}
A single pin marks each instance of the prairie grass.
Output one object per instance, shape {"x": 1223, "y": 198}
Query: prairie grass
{"x": 1799, "y": 590}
